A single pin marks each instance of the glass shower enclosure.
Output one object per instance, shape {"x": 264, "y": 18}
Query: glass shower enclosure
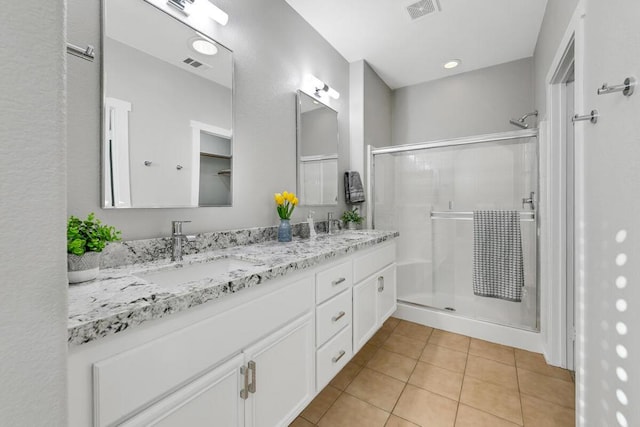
{"x": 429, "y": 191}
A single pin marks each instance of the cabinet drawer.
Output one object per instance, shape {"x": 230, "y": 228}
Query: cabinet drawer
{"x": 333, "y": 280}
{"x": 367, "y": 264}
{"x": 332, "y": 357}
{"x": 332, "y": 316}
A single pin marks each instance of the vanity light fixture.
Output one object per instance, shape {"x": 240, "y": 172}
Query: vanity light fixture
{"x": 204, "y": 47}
{"x": 452, "y": 64}
{"x": 204, "y": 7}
{"x": 320, "y": 88}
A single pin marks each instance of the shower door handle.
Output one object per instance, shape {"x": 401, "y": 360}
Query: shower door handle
{"x": 530, "y": 201}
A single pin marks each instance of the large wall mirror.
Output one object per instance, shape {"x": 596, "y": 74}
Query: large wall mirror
{"x": 167, "y": 89}
{"x": 317, "y": 152}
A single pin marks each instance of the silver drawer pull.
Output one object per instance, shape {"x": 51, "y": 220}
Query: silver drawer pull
{"x": 381, "y": 284}
{"x": 339, "y": 356}
{"x": 338, "y": 281}
{"x": 338, "y": 316}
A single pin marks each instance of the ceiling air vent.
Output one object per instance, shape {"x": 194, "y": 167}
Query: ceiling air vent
{"x": 423, "y": 8}
{"x": 192, "y": 62}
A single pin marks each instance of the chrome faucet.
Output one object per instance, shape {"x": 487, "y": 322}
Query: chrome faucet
{"x": 176, "y": 239}
{"x": 330, "y": 223}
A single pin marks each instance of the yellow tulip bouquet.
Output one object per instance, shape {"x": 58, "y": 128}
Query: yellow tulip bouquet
{"x": 286, "y": 203}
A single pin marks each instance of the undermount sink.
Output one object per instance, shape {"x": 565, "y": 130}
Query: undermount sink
{"x": 180, "y": 273}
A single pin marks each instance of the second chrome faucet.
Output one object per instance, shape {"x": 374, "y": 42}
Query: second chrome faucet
{"x": 177, "y": 237}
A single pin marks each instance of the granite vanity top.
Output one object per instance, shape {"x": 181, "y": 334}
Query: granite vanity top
{"x": 118, "y": 299}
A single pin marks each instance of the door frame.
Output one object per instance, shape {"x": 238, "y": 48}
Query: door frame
{"x": 555, "y": 299}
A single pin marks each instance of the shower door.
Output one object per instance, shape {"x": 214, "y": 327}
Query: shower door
{"x": 429, "y": 194}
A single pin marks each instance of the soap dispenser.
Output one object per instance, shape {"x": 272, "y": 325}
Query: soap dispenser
{"x": 312, "y": 227}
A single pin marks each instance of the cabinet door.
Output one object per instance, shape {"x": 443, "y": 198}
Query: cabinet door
{"x": 386, "y": 288}
{"x": 211, "y": 400}
{"x": 282, "y": 375}
{"x": 365, "y": 318}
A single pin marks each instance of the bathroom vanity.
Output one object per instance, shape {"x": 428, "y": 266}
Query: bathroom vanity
{"x": 250, "y": 345}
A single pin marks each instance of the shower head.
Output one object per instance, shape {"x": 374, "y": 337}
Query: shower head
{"x": 521, "y": 121}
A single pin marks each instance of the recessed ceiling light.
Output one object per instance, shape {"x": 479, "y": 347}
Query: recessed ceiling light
{"x": 204, "y": 47}
{"x": 452, "y": 64}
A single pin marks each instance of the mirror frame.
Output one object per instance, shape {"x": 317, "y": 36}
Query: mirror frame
{"x": 103, "y": 97}
{"x": 299, "y": 95}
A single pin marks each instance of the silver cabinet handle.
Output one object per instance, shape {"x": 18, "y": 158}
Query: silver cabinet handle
{"x": 244, "y": 393}
{"x": 338, "y": 281}
{"x": 381, "y": 284}
{"x": 338, "y": 316}
{"x": 339, "y": 356}
{"x": 252, "y": 367}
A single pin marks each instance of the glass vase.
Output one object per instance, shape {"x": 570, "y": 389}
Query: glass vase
{"x": 284, "y": 231}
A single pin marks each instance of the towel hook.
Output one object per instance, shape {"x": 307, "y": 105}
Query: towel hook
{"x": 87, "y": 53}
{"x": 593, "y": 117}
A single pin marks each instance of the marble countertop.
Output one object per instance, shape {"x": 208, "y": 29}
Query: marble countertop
{"x": 118, "y": 299}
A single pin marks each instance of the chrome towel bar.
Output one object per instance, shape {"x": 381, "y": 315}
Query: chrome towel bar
{"x": 526, "y": 216}
{"x": 87, "y": 53}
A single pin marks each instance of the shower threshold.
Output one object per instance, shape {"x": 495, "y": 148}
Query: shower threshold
{"x": 453, "y": 312}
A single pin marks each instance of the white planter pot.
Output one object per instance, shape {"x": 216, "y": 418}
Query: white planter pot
{"x": 83, "y": 268}
{"x": 352, "y": 225}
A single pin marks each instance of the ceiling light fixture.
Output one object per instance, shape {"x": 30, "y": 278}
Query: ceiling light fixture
{"x": 319, "y": 88}
{"x": 204, "y": 47}
{"x": 452, "y": 64}
{"x": 204, "y": 7}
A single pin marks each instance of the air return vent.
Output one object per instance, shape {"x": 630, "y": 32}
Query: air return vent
{"x": 192, "y": 62}
{"x": 423, "y": 8}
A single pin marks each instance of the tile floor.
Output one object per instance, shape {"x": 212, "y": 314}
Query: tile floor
{"x": 411, "y": 375}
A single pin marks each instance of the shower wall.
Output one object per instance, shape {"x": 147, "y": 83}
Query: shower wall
{"x": 473, "y": 103}
{"x": 435, "y": 255}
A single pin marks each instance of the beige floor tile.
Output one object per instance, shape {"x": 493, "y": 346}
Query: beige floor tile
{"x": 489, "y": 350}
{"x": 318, "y": 406}
{"x": 540, "y": 413}
{"x": 392, "y": 364}
{"x": 345, "y": 376}
{"x": 403, "y": 345}
{"x": 492, "y": 372}
{"x": 377, "y": 389}
{"x": 535, "y": 362}
{"x": 437, "y": 380}
{"x": 426, "y": 408}
{"x": 348, "y": 411}
{"x": 365, "y": 354}
{"x": 450, "y": 340}
{"x": 413, "y": 330}
{"x": 491, "y": 398}
{"x": 444, "y": 357}
{"x": 394, "y": 421}
{"x": 547, "y": 388}
{"x": 379, "y": 337}
{"x": 390, "y": 324}
{"x": 471, "y": 417}
{"x": 301, "y": 422}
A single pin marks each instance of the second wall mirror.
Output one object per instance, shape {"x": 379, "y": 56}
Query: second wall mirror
{"x": 317, "y": 156}
{"x": 167, "y": 88}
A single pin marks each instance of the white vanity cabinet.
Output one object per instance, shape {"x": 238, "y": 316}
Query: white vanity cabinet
{"x": 374, "y": 292}
{"x": 255, "y": 358}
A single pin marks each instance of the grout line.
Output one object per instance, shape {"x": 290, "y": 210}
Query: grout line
{"x": 464, "y": 375}
{"x": 519, "y": 394}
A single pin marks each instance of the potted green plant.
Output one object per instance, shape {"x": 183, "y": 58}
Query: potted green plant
{"x": 352, "y": 218}
{"x": 85, "y": 240}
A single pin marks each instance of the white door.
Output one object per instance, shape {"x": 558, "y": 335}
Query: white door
{"x": 609, "y": 299}
{"x": 282, "y": 375}
{"x": 386, "y": 288}
{"x": 365, "y": 317}
{"x": 211, "y": 400}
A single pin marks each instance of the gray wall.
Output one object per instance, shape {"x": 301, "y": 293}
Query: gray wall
{"x": 270, "y": 66}
{"x": 33, "y": 306}
{"x": 378, "y": 99}
{"x": 473, "y": 103}
{"x": 554, "y": 25}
